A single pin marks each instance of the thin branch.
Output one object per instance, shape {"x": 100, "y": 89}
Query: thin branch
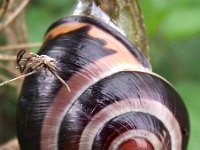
{"x": 4, "y": 78}
{"x": 20, "y": 46}
{"x": 140, "y": 37}
{"x": 6, "y": 68}
{"x": 12, "y": 17}
{"x": 10, "y": 145}
{"x": 4, "y": 7}
{"x": 125, "y": 14}
{"x": 32, "y": 72}
{"x": 17, "y": 78}
{"x": 7, "y": 57}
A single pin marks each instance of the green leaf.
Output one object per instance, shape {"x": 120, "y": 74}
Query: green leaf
{"x": 181, "y": 23}
{"x": 154, "y": 12}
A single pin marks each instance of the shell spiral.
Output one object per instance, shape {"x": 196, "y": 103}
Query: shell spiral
{"x": 116, "y": 102}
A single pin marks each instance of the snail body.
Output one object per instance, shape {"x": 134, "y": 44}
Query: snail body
{"x": 115, "y": 101}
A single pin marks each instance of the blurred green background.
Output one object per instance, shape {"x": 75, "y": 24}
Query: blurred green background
{"x": 173, "y": 28}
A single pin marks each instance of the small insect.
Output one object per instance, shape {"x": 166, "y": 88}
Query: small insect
{"x": 31, "y": 63}
{"x": 35, "y": 62}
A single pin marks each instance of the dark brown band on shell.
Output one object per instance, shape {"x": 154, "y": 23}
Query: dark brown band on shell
{"x": 103, "y": 69}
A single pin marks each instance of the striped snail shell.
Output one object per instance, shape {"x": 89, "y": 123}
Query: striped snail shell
{"x": 116, "y": 102}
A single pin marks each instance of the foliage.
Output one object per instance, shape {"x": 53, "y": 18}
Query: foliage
{"x": 41, "y": 14}
{"x": 174, "y": 32}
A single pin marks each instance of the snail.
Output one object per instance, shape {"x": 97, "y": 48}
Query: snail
{"x": 115, "y": 101}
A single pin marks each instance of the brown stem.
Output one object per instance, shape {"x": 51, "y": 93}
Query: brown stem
{"x": 4, "y": 7}
{"x": 6, "y": 68}
{"x": 16, "y": 31}
{"x": 12, "y": 16}
{"x": 7, "y": 57}
{"x": 125, "y": 14}
{"x": 138, "y": 23}
{"x": 17, "y": 78}
{"x": 20, "y": 46}
{"x": 10, "y": 145}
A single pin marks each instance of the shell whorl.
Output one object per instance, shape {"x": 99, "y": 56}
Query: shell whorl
{"x": 115, "y": 100}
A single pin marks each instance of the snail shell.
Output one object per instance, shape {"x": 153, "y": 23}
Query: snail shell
{"x": 115, "y": 101}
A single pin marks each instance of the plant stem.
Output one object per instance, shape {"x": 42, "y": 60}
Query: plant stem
{"x": 4, "y": 7}
{"x": 6, "y": 68}
{"x": 7, "y": 57}
{"x": 17, "y": 78}
{"x": 20, "y": 46}
{"x": 125, "y": 14}
{"x": 14, "y": 14}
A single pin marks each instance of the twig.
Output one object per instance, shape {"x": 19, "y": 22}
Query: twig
{"x": 10, "y": 145}
{"x": 125, "y": 14}
{"x": 14, "y": 15}
{"x": 7, "y": 57}
{"x": 2, "y": 66}
{"x": 32, "y": 72}
{"x": 16, "y": 32}
{"x": 140, "y": 31}
{"x": 4, "y": 7}
{"x": 20, "y": 46}
{"x": 4, "y": 78}
{"x": 19, "y": 77}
